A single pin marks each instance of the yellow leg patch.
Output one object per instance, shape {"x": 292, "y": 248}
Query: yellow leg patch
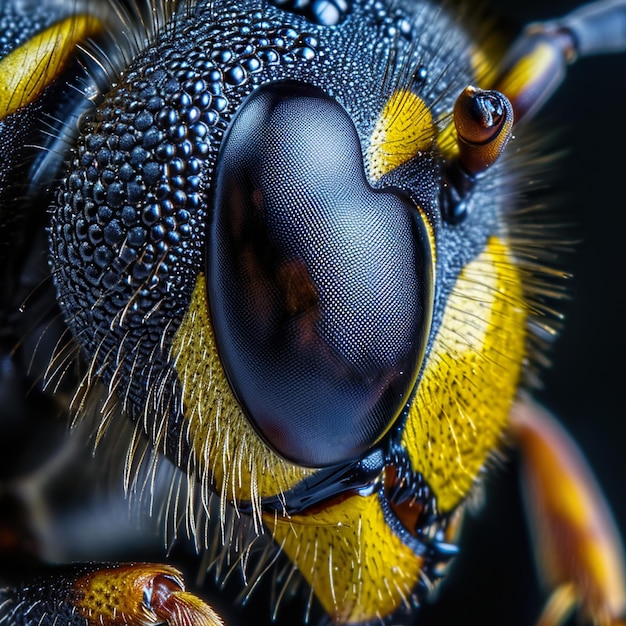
{"x": 140, "y": 594}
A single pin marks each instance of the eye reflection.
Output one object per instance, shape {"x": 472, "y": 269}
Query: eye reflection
{"x": 318, "y": 284}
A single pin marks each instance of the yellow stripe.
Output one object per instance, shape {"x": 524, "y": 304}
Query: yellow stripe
{"x": 531, "y": 68}
{"x": 28, "y": 70}
{"x": 471, "y": 377}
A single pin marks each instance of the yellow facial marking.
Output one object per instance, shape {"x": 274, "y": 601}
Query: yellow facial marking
{"x": 471, "y": 377}
{"x": 404, "y": 129}
{"x": 227, "y": 450}
{"x": 28, "y": 70}
{"x": 357, "y": 567}
{"x": 448, "y": 141}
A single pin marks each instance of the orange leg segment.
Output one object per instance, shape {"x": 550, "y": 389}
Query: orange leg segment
{"x": 115, "y": 594}
{"x": 578, "y": 549}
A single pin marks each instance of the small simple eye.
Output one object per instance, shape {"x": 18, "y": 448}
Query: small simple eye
{"x": 320, "y": 287}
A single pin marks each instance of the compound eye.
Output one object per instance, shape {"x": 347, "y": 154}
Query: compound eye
{"x": 320, "y": 287}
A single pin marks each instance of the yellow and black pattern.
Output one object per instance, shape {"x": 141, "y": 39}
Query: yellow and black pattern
{"x": 288, "y": 242}
{"x": 37, "y": 55}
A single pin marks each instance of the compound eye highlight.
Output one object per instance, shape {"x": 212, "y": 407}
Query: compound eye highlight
{"x": 320, "y": 287}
